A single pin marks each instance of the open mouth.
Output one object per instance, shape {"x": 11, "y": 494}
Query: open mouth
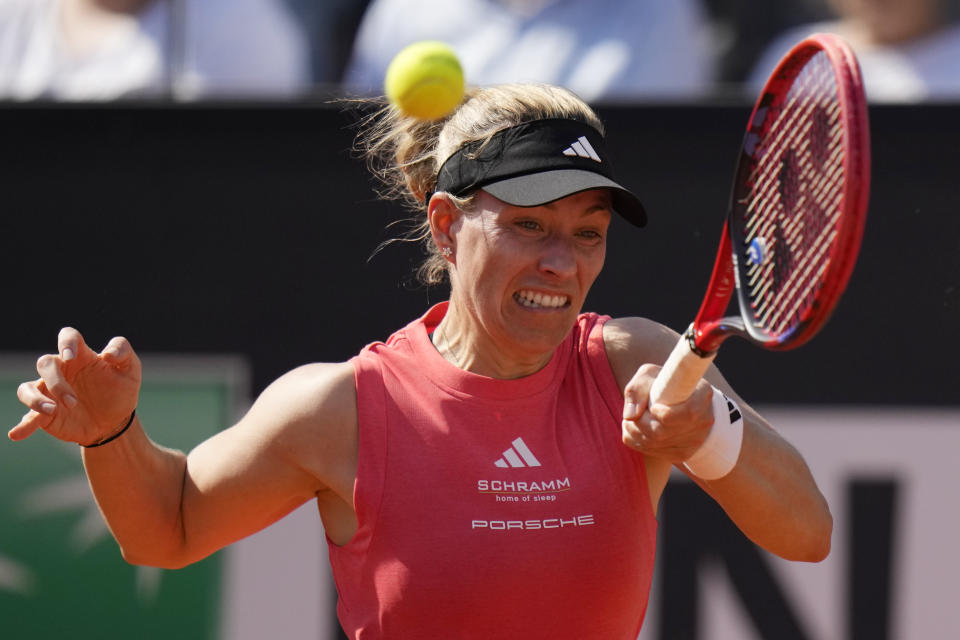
{"x": 535, "y": 300}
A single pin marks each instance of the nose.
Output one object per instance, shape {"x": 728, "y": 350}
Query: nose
{"x": 558, "y": 257}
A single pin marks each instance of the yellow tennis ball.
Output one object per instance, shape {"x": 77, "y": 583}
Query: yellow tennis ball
{"x": 425, "y": 80}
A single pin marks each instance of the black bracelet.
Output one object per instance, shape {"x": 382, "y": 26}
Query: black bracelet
{"x": 114, "y": 436}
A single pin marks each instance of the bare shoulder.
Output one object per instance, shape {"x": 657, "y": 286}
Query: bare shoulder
{"x": 320, "y": 389}
{"x": 308, "y": 417}
{"x": 633, "y": 341}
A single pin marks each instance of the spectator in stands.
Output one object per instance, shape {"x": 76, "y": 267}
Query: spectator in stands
{"x": 107, "y": 49}
{"x": 743, "y": 29}
{"x": 601, "y": 49}
{"x": 330, "y": 27}
{"x": 909, "y": 50}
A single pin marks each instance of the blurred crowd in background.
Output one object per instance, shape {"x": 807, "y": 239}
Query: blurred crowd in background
{"x": 608, "y": 51}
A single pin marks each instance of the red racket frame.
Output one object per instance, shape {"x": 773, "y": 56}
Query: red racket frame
{"x": 710, "y": 327}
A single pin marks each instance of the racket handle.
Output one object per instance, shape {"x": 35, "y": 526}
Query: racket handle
{"x": 680, "y": 374}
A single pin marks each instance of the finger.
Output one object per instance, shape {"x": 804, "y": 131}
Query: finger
{"x": 70, "y": 344}
{"x": 630, "y": 430}
{"x": 118, "y": 351}
{"x": 650, "y": 438}
{"x": 50, "y": 368}
{"x": 637, "y": 392}
{"x": 631, "y": 434}
{"x": 645, "y": 442}
{"x": 643, "y": 431}
{"x": 28, "y": 424}
{"x": 697, "y": 410}
{"x": 29, "y": 393}
{"x": 635, "y": 431}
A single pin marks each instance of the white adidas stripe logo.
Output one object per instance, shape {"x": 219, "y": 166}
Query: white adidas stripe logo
{"x": 582, "y": 149}
{"x": 519, "y": 455}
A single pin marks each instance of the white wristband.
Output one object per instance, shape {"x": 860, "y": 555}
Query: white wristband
{"x": 718, "y": 454}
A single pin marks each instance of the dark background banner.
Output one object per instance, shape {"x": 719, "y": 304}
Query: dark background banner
{"x": 250, "y": 230}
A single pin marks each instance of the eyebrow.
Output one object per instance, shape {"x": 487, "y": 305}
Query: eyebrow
{"x": 597, "y": 208}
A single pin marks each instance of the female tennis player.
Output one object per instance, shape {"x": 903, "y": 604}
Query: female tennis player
{"x": 499, "y": 441}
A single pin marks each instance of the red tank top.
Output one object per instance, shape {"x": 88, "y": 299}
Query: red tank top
{"x": 494, "y": 508}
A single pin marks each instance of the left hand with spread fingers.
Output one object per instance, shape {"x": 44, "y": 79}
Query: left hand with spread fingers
{"x": 81, "y": 396}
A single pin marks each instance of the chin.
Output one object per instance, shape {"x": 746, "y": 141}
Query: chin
{"x": 547, "y": 331}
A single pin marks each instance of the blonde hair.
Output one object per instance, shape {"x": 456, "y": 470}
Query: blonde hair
{"x": 405, "y": 154}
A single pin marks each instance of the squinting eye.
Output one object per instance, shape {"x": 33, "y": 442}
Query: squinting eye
{"x": 528, "y": 224}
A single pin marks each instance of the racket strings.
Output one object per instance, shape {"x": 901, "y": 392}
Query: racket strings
{"x": 764, "y": 207}
{"x": 785, "y": 134}
{"x": 794, "y": 203}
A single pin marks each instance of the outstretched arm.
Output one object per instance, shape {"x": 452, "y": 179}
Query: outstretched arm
{"x": 169, "y": 509}
{"x": 770, "y": 493}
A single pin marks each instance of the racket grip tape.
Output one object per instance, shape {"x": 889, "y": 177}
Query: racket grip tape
{"x": 680, "y": 373}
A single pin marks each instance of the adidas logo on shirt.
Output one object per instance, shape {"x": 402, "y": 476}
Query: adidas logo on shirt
{"x": 582, "y": 149}
{"x": 519, "y": 455}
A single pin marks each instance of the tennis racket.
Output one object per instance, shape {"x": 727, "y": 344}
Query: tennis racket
{"x": 796, "y": 217}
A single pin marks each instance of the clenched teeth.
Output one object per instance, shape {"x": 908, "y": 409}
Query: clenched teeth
{"x": 536, "y": 300}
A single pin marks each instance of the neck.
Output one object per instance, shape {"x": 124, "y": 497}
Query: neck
{"x": 461, "y": 340}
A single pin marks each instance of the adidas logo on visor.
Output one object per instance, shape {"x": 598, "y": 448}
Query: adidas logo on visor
{"x": 517, "y": 456}
{"x": 582, "y": 149}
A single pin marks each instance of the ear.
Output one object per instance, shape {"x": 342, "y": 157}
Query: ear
{"x": 443, "y": 216}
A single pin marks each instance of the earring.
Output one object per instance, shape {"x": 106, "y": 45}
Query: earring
{"x": 446, "y": 252}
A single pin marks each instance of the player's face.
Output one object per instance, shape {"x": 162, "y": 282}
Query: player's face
{"x": 523, "y": 272}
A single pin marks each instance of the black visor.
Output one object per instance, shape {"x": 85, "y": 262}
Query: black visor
{"x": 538, "y": 162}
